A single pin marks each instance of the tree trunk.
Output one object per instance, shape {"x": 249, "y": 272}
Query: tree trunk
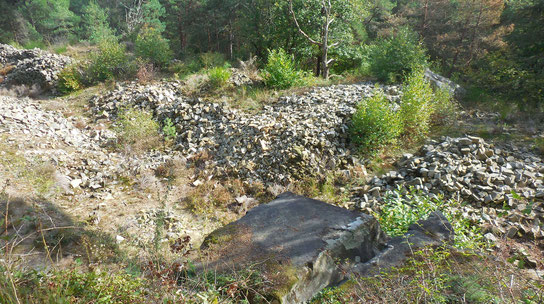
{"x": 318, "y": 66}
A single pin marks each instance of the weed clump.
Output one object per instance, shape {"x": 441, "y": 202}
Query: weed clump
{"x": 218, "y": 77}
{"x": 137, "y": 131}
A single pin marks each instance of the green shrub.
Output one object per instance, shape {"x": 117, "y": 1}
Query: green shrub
{"x": 109, "y": 62}
{"x": 375, "y": 124}
{"x": 445, "y": 108}
{"x": 416, "y": 105}
{"x": 218, "y": 76}
{"x": 211, "y": 59}
{"x": 137, "y": 131}
{"x": 346, "y": 59}
{"x": 69, "y": 80}
{"x": 280, "y": 71}
{"x": 151, "y": 46}
{"x": 392, "y": 58}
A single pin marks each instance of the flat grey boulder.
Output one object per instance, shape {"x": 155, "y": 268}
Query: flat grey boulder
{"x": 300, "y": 245}
{"x": 434, "y": 231}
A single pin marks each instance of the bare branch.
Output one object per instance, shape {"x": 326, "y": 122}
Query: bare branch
{"x": 298, "y": 26}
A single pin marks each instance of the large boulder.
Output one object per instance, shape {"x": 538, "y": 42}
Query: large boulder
{"x": 300, "y": 245}
{"x": 442, "y": 82}
{"x": 434, "y": 231}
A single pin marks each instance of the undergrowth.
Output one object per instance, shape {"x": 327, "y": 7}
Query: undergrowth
{"x": 403, "y": 208}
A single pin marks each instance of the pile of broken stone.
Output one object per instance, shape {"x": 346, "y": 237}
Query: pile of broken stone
{"x": 296, "y": 136}
{"x": 31, "y": 67}
{"x": 503, "y": 186}
{"x": 78, "y": 150}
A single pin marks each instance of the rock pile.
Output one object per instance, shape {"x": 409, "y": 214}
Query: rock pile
{"x": 48, "y": 135}
{"x": 31, "y": 67}
{"x": 295, "y": 137}
{"x": 505, "y": 185}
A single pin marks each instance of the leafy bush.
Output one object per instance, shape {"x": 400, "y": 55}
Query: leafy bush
{"x": 392, "y": 58}
{"x": 416, "y": 105}
{"x": 69, "y": 80}
{"x": 280, "y": 71}
{"x": 151, "y": 46}
{"x": 137, "y": 131}
{"x": 109, "y": 62}
{"x": 375, "y": 124}
{"x": 169, "y": 130}
{"x": 218, "y": 76}
{"x": 445, "y": 108}
{"x": 211, "y": 59}
{"x": 346, "y": 58}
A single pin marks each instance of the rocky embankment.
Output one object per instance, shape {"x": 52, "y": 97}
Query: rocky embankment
{"x": 31, "y": 67}
{"x": 296, "y": 136}
{"x": 504, "y": 186}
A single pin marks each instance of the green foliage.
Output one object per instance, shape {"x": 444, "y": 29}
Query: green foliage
{"x": 392, "y": 58}
{"x": 280, "y": 72}
{"x": 169, "y": 130}
{"x": 109, "y": 62}
{"x": 35, "y": 44}
{"x": 403, "y": 208}
{"x": 212, "y": 59}
{"x": 151, "y": 46}
{"x": 329, "y": 296}
{"x": 539, "y": 144}
{"x": 95, "y": 25}
{"x": 346, "y": 59}
{"x": 73, "y": 286}
{"x": 375, "y": 124}
{"x": 445, "y": 108}
{"x": 218, "y": 77}
{"x": 137, "y": 131}
{"x": 153, "y": 11}
{"x": 69, "y": 80}
{"x": 416, "y": 105}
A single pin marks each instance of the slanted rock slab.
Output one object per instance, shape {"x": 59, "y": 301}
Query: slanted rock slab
{"x": 299, "y": 245}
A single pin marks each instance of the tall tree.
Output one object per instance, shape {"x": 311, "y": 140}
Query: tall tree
{"x": 330, "y": 20}
{"x": 94, "y": 23}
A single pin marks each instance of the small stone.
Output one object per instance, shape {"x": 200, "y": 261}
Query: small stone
{"x": 75, "y": 183}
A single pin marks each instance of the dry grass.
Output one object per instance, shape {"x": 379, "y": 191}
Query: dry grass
{"x": 6, "y": 70}
{"x": 146, "y": 73}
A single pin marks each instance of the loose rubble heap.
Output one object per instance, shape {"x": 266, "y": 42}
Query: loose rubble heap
{"x": 295, "y": 137}
{"x": 239, "y": 78}
{"x": 86, "y": 163}
{"x": 31, "y": 67}
{"x": 497, "y": 183}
